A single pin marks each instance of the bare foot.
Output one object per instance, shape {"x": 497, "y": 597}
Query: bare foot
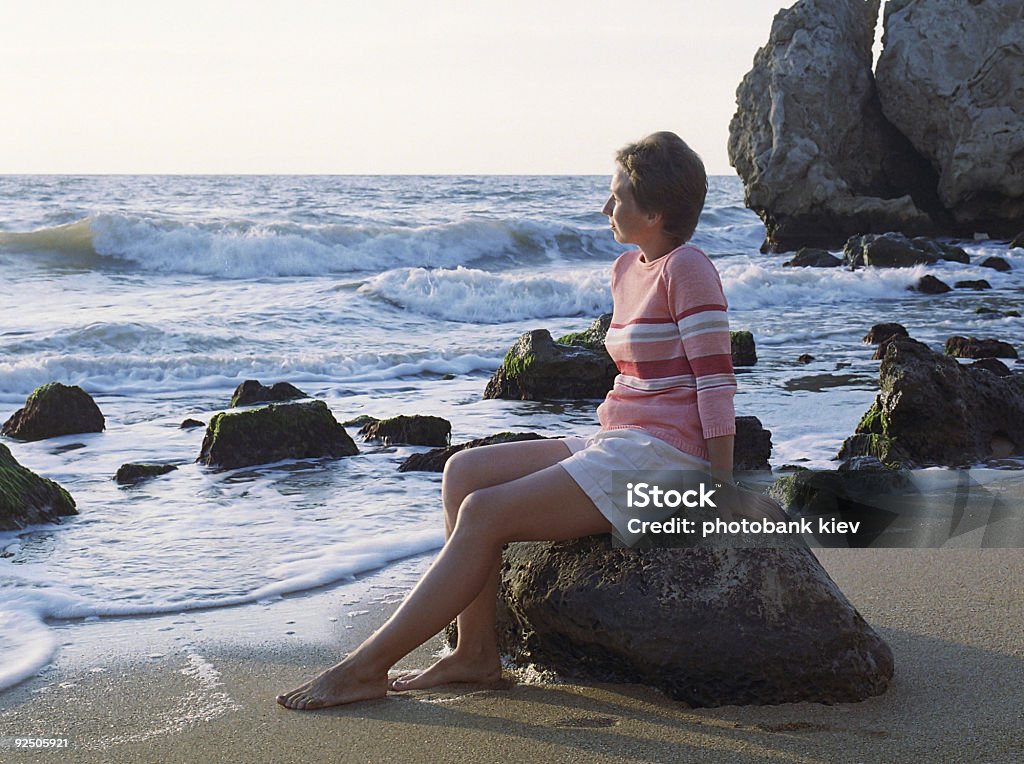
{"x": 342, "y": 683}
{"x": 452, "y": 669}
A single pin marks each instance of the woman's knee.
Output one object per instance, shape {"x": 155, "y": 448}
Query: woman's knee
{"x": 477, "y": 516}
{"x": 456, "y": 481}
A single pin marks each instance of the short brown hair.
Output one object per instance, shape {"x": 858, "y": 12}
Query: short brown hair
{"x": 667, "y": 177}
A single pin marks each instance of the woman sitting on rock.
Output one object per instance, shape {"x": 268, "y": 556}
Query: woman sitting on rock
{"x": 671, "y": 408}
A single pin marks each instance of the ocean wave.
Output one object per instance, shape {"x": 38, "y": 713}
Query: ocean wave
{"x": 243, "y": 249}
{"x": 127, "y": 374}
{"x": 475, "y": 296}
{"x": 750, "y": 284}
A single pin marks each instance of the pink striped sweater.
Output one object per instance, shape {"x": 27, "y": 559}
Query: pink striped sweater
{"x": 669, "y": 338}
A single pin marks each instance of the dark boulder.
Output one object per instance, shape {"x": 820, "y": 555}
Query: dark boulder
{"x": 744, "y": 350}
{"x": 809, "y": 257}
{"x": 709, "y": 627}
{"x": 887, "y": 250}
{"x": 190, "y": 424}
{"x": 273, "y": 433}
{"x": 131, "y": 474}
{"x": 538, "y": 368}
{"x": 881, "y": 333}
{"x": 993, "y": 365}
{"x": 995, "y": 263}
{"x": 434, "y": 461}
{"x": 975, "y": 284}
{"x": 805, "y": 358}
{"x": 1018, "y": 241}
{"x": 972, "y": 347}
{"x": 55, "y": 409}
{"x": 752, "y": 446}
{"x": 933, "y": 411}
{"x": 252, "y": 391}
{"x": 26, "y": 498}
{"x": 930, "y": 285}
{"x": 942, "y": 251}
{"x": 409, "y": 431}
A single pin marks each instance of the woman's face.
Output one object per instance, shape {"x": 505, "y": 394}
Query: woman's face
{"x": 630, "y": 224}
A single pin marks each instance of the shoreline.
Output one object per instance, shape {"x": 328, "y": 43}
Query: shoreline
{"x": 203, "y": 688}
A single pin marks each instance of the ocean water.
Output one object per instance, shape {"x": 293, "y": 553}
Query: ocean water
{"x": 381, "y": 296}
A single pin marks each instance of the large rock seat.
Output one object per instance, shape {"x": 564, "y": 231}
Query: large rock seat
{"x": 710, "y": 627}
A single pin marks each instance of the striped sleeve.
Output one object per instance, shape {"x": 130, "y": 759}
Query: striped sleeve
{"x": 699, "y": 307}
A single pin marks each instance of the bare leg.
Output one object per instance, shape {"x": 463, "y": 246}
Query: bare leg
{"x": 475, "y": 658}
{"x": 547, "y": 505}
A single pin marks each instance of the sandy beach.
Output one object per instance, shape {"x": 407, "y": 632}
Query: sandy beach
{"x": 200, "y": 686}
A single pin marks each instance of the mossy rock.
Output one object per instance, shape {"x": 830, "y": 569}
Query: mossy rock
{"x": 130, "y": 474}
{"x": 53, "y": 410}
{"x": 744, "y": 351}
{"x": 409, "y": 431}
{"x": 537, "y": 368}
{"x": 592, "y": 338}
{"x": 26, "y": 498}
{"x": 274, "y": 433}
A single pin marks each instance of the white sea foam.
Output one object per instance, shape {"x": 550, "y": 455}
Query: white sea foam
{"x": 31, "y": 595}
{"x": 475, "y": 296}
{"x": 126, "y": 374}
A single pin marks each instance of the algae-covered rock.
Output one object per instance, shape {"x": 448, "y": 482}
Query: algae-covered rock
{"x": 434, "y": 461}
{"x": 26, "y": 498}
{"x": 744, "y": 350}
{"x": 272, "y": 433}
{"x": 130, "y": 474}
{"x": 592, "y": 338}
{"x": 538, "y": 368}
{"x": 710, "y": 627}
{"x": 933, "y": 411}
{"x": 252, "y": 391}
{"x": 409, "y": 430}
{"x": 55, "y": 409}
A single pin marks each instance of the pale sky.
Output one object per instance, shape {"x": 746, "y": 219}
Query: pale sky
{"x": 366, "y": 86}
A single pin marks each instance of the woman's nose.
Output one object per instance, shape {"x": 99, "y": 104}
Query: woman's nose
{"x": 608, "y": 207}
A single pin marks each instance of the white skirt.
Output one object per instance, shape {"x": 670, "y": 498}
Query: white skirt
{"x": 595, "y": 459}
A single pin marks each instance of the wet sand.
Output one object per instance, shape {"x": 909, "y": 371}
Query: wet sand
{"x": 200, "y": 686}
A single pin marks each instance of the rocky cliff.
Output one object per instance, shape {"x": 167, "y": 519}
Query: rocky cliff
{"x": 936, "y": 146}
